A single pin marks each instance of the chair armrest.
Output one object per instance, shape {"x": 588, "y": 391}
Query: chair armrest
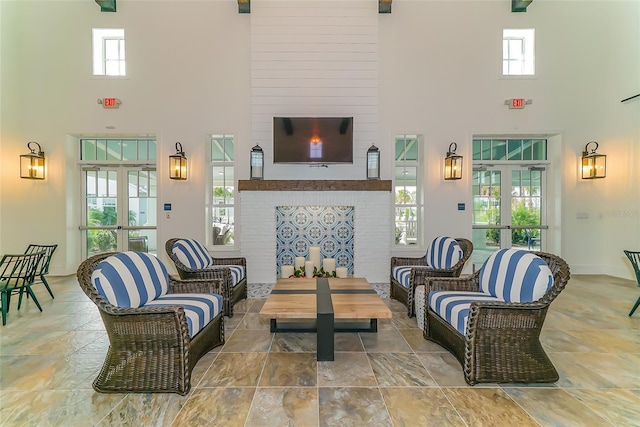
{"x": 465, "y": 284}
{"x": 401, "y": 261}
{"x": 494, "y": 316}
{"x": 203, "y": 286}
{"x": 230, "y": 261}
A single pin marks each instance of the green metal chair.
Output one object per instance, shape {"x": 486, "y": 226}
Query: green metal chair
{"x": 43, "y": 265}
{"x": 634, "y": 257}
{"x": 17, "y": 274}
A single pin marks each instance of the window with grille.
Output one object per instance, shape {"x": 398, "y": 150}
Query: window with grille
{"x": 108, "y": 52}
{"x": 518, "y": 52}
{"x": 408, "y": 190}
{"x": 221, "y": 203}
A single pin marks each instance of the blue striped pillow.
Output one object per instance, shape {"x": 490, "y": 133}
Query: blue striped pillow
{"x": 199, "y": 309}
{"x": 443, "y": 252}
{"x": 130, "y": 279}
{"x": 515, "y": 275}
{"x": 192, "y": 253}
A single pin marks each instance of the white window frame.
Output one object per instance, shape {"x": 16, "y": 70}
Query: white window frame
{"x": 522, "y": 64}
{"x": 102, "y": 65}
{"x": 211, "y": 206}
{"x": 418, "y": 203}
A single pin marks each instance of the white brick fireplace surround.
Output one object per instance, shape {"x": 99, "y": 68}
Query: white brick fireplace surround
{"x": 372, "y": 203}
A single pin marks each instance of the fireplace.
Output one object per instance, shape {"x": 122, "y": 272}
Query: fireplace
{"x": 370, "y": 203}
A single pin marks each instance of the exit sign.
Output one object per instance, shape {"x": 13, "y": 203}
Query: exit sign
{"x": 110, "y": 102}
{"x": 517, "y": 103}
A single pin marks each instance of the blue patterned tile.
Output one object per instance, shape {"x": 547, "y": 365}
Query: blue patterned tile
{"x": 300, "y": 227}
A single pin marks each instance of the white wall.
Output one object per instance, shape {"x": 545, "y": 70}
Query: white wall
{"x": 194, "y": 68}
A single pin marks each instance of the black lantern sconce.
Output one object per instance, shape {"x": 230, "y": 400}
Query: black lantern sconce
{"x": 257, "y": 163}
{"x": 32, "y": 164}
{"x": 594, "y": 165}
{"x": 178, "y": 164}
{"x": 452, "y": 163}
{"x": 373, "y": 162}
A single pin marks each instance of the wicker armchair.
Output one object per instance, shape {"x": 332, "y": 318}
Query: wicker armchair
{"x": 234, "y": 279}
{"x": 420, "y": 271}
{"x": 150, "y": 347}
{"x": 501, "y": 343}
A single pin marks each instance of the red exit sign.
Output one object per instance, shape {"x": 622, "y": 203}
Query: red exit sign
{"x": 517, "y": 103}
{"x": 110, "y": 102}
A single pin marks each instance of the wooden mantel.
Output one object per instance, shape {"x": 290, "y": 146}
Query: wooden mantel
{"x": 314, "y": 185}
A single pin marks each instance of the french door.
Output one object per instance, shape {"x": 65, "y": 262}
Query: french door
{"x": 119, "y": 209}
{"x": 509, "y": 209}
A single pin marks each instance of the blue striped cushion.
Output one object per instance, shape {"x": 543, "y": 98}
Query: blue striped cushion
{"x": 443, "y": 252}
{"x": 192, "y": 254}
{"x": 453, "y": 306}
{"x": 199, "y": 309}
{"x": 130, "y": 279}
{"x": 402, "y": 275}
{"x": 515, "y": 275}
{"x": 237, "y": 273}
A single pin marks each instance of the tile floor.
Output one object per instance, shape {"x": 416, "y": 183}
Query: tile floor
{"x": 393, "y": 378}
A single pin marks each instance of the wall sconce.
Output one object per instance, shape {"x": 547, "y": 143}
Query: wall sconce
{"x": 452, "y": 163}
{"x": 178, "y": 164}
{"x": 257, "y": 163}
{"x": 594, "y": 165}
{"x": 373, "y": 162}
{"x": 32, "y": 164}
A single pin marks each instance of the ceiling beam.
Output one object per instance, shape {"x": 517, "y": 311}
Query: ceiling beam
{"x": 107, "y": 5}
{"x": 520, "y": 5}
{"x": 384, "y": 6}
{"x": 244, "y": 6}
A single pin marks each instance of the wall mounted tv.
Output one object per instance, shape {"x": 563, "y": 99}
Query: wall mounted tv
{"x": 320, "y": 140}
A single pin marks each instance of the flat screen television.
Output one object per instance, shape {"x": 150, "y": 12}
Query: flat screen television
{"x": 321, "y": 140}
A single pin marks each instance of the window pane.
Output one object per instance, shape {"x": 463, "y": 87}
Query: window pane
{"x": 217, "y": 150}
{"x": 228, "y": 146}
{"x": 477, "y": 149}
{"x": 540, "y": 149}
{"x": 499, "y": 150}
{"x": 88, "y": 149}
{"x": 515, "y": 149}
{"x": 101, "y": 149}
{"x": 142, "y": 150}
{"x": 152, "y": 149}
{"x": 486, "y": 149}
{"x": 129, "y": 149}
{"x": 113, "y": 149}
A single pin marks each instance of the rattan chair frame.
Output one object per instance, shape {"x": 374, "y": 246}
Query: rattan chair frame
{"x": 421, "y": 272}
{"x": 502, "y": 343}
{"x": 150, "y": 350}
{"x": 232, "y": 294}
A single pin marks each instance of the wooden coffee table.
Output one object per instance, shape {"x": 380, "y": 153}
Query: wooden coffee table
{"x": 324, "y": 306}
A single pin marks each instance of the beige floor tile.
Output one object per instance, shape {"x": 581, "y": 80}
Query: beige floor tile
{"x": 284, "y": 407}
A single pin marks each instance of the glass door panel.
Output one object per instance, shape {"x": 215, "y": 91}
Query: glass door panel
{"x": 507, "y": 212}
{"x": 487, "y": 214}
{"x": 119, "y": 209}
{"x": 142, "y": 220}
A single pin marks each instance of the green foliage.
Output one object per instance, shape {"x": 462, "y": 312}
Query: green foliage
{"x": 520, "y": 215}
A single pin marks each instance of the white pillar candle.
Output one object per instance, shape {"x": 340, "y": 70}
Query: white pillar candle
{"x": 342, "y": 272}
{"x": 286, "y": 271}
{"x": 308, "y": 268}
{"x": 329, "y": 265}
{"x": 299, "y": 263}
{"x": 314, "y": 256}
